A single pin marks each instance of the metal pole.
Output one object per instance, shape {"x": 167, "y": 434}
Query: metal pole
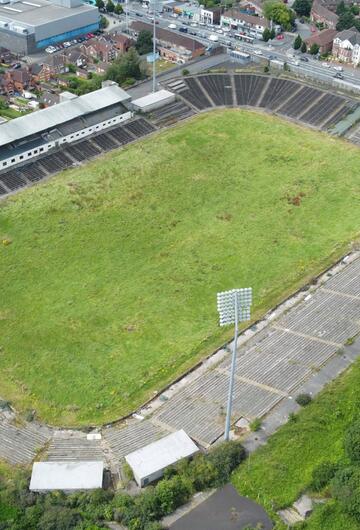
{"x": 232, "y": 374}
{"x": 154, "y": 48}
{"x": 126, "y": 17}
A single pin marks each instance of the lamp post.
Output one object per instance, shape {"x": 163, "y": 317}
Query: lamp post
{"x": 233, "y": 307}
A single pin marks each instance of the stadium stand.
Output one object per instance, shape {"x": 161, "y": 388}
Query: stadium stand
{"x": 285, "y": 97}
{"x": 289, "y": 98}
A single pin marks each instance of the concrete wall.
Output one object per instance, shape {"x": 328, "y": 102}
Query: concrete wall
{"x": 16, "y": 42}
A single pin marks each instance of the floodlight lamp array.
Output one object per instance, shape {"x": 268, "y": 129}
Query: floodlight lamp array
{"x": 226, "y": 305}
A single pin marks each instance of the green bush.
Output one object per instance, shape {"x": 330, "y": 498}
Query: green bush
{"x": 172, "y": 493}
{"x": 352, "y": 442}
{"x": 303, "y": 399}
{"x": 225, "y": 458}
{"x": 255, "y": 425}
{"x": 346, "y": 489}
{"x": 323, "y": 474}
{"x": 202, "y": 472}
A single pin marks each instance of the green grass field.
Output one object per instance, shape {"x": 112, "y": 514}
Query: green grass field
{"x": 109, "y": 283}
{"x": 278, "y": 473}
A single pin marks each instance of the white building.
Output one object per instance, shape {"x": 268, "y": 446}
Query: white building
{"x": 66, "y": 476}
{"x": 251, "y": 25}
{"x": 75, "y": 118}
{"x": 148, "y": 464}
{"x": 346, "y": 46}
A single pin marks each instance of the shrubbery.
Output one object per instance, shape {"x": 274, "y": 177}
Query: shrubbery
{"x": 352, "y": 442}
{"x": 90, "y": 511}
{"x": 323, "y": 474}
{"x": 303, "y": 399}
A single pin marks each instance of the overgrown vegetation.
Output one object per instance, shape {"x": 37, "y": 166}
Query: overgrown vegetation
{"x": 23, "y": 510}
{"x": 112, "y": 271}
{"x": 318, "y": 453}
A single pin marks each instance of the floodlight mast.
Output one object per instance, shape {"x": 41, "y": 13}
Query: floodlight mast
{"x": 233, "y": 307}
{"x": 232, "y": 373}
{"x": 154, "y": 48}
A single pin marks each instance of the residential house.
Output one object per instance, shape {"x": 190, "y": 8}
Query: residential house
{"x": 121, "y": 42}
{"x": 210, "y": 15}
{"x": 57, "y": 64}
{"x": 48, "y": 99}
{"x": 100, "y": 49}
{"x": 6, "y": 85}
{"x": 40, "y": 73}
{"x": 249, "y": 24}
{"x": 346, "y": 46}
{"x": 320, "y": 14}
{"x": 172, "y": 46}
{"x": 252, "y": 7}
{"x": 324, "y": 39}
{"x": 21, "y": 78}
{"x": 6, "y": 57}
{"x": 76, "y": 56}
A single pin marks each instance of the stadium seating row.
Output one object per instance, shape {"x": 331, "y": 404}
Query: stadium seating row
{"x": 284, "y": 96}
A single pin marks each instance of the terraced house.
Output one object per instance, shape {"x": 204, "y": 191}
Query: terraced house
{"x": 346, "y": 46}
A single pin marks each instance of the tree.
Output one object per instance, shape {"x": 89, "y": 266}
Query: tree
{"x": 110, "y": 6}
{"x": 346, "y": 489}
{"x": 144, "y": 42}
{"x": 266, "y": 34}
{"x": 118, "y": 9}
{"x": 100, "y": 4}
{"x": 302, "y": 7}
{"x": 346, "y": 21}
{"x": 272, "y": 34}
{"x": 340, "y": 8}
{"x": 355, "y": 9}
{"x": 72, "y": 68}
{"x": 125, "y": 67}
{"x": 297, "y": 43}
{"x": 103, "y": 22}
{"x": 303, "y": 47}
{"x": 279, "y": 13}
{"x": 314, "y": 49}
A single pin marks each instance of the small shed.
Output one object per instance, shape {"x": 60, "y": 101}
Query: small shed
{"x": 148, "y": 464}
{"x": 153, "y": 101}
{"x": 66, "y": 476}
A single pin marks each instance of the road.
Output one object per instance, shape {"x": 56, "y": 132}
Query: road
{"x": 279, "y": 49}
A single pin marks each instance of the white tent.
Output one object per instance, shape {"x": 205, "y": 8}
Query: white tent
{"x": 67, "y": 476}
{"x": 148, "y": 463}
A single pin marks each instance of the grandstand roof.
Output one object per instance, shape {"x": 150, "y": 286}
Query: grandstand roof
{"x": 63, "y": 112}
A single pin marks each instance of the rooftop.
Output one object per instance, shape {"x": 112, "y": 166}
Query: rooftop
{"x": 324, "y": 37}
{"x": 160, "y": 454}
{"x": 37, "y": 12}
{"x": 63, "y": 112}
{"x": 352, "y": 35}
{"x": 66, "y": 476}
{"x": 251, "y": 19}
{"x": 171, "y": 37}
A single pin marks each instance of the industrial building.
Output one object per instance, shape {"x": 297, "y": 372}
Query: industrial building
{"x": 75, "y": 118}
{"x": 27, "y": 27}
{"x": 153, "y": 101}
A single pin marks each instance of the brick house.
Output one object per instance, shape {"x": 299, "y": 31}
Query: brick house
{"x": 40, "y": 73}
{"x": 324, "y": 39}
{"x": 320, "y": 14}
{"x": 100, "y": 49}
{"x": 121, "y": 42}
{"x": 346, "y": 46}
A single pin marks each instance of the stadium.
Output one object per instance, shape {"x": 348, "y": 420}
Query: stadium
{"x": 111, "y": 268}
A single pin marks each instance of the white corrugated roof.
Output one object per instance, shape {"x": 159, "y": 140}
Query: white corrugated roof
{"x": 66, "y": 476}
{"x": 58, "y": 114}
{"x": 160, "y": 454}
{"x": 154, "y": 97}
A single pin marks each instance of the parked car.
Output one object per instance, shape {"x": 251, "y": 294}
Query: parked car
{"x": 327, "y": 65}
{"x": 258, "y": 52}
{"x": 304, "y": 59}
{"x": 280, "y": 36}
{"x": 338, "y": 68}
{"x": 339, "y": 75}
